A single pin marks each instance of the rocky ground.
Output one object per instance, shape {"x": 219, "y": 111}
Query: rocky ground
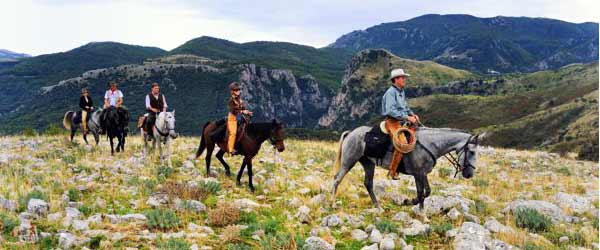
{"x": 54, "y": 194}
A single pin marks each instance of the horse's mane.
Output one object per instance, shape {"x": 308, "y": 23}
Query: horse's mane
{"x": 256, "y": 128}
{"x": 444, "y": 129}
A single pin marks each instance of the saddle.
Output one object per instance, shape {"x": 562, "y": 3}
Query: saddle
{"x": 219, "y": 135}
{"x": 141, "y": 121}
{"x": 377, "y": 143}
{"x": 77, "y": 117}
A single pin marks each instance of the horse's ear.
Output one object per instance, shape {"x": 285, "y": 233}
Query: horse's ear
{"x": 173, "y": 112}
{"x": 482, "y": 136}
{"x": 274, "y": 121}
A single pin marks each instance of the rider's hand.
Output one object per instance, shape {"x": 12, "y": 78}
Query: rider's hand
{"x": 417, "y": 117}
{"x": 412, "y": 119}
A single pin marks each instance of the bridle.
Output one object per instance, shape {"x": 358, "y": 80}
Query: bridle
{"x": 165, "y": 127}
{"x": 273, "y": 139}
{"x": 454, "y": 160}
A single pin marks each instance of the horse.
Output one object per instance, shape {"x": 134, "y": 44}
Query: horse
{"x": 116, "y": 126}
{"x": 72, "y": 120}
{"x": 432, "y": 143}
{"x": 163, "y": 132}
{"x": 249, "y": 145}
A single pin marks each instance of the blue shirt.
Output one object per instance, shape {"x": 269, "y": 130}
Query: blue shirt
{"x": 394, "y": 104}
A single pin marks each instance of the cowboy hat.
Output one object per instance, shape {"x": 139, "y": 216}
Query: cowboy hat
{"x": 396, "y": 73}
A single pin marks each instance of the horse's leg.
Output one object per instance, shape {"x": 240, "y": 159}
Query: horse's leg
{"x": 426, "y": 186}
{"x": 145, "y": 151}
{"x": 346, "y": 166}
{"x": 85, "y": 138}
{"x": 73, "y": 133}
{"x": 209, "y": 150}
{"x": 160, "y": 153}
{"x": 112, "y": 149}
{"x": 123, "y": 143}
{"x": 369, "y": 167}
{"x": 168, "y": 145}
{"x": 239, "y": 175}
{"x": 220, "y": 158}
{"x": 248, "y": 160}
{"x": 417, "y": 200}
{"x": 118, "y": 143}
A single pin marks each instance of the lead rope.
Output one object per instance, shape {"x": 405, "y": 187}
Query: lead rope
{"x": 448, "y": 156}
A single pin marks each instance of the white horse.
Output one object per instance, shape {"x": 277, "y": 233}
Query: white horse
{"x": 163, "y": 132}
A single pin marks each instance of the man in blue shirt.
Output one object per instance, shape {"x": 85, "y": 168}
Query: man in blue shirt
{"x": 394, "y": 107}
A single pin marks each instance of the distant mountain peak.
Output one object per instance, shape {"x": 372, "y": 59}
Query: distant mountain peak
{"x": 7, "y": 55}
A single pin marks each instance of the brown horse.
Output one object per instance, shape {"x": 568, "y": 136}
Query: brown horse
{"x": 248, "y": 145}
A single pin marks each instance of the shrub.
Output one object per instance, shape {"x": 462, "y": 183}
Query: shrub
{"x": 190, "y": 192}
{"x": 172, "y": 244}
{"x": 224, "y": 214}
{"x": 441, "y": 229}
{"x": 95, "y": 241}
{"x": 386, "y": 226}
{"x": 445, "y": 172}
{"x": 74, "y": 194}
{"x": 163, "y": 172}
{"x": 49, "y": 243}
{"x": 7, "y": 224}
{"x": 29, "y": 132}
{"x": 532, "y": 220}
{"x": 54, "y": 129}
{"x": 162, "y": 219}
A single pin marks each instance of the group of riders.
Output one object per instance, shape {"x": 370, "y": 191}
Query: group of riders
{"x": 394, "y": 108}
{"x": 156, "y": 103}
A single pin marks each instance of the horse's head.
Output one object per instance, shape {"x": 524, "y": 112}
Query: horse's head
{"x": 166, "y": 123}
{"x": 467, "y": 155}
{"x": 277, "y": 135}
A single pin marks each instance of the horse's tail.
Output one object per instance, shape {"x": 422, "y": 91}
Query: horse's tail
{"x": 202, "y": 145}
{"x": 67, "y": 120}
{"x": 338, "y": 159}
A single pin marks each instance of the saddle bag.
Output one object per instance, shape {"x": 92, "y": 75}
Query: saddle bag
{"x": 377, "y": 143}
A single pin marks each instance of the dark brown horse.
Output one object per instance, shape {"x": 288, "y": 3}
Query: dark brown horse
{"x": 248, "y": 145}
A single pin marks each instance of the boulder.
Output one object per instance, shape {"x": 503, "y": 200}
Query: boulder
{"x": 316, "y": 243}
{"x": 303, "y": 214}
{"x": 38, "y": 207}
{"x": 359, "y": 235}
{"x": 436, "y": 204}
{"x": 415, "y": 227}
{"x": 472, "y": 236}
{"x": 543, "y": 207}
{"x": 575, "y": 203}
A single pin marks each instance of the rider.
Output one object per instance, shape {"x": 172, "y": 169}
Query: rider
{"x": 237, "y": 108}
{"x": 155, "y": 103}
{"x": 394, "y": 107}
{"x": 87, "y": 106}
{"x": 113, "y": 98}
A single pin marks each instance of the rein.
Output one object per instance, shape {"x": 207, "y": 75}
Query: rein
{"x": 160, "y": 132}
{"x": 454, "y": 160}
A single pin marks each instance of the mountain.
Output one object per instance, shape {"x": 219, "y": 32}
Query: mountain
{"x": 20, "y": 82}
{"x": 9, "y": 56}
{"x": 502, "y": 44}
{"x": 326, "y": 64}
{"x": 555, "y": 110}
{"x": 196, "y": 87}
{"x": 366, "y": 79}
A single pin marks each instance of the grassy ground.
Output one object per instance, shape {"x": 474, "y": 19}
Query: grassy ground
{"x": 55, "y": 167}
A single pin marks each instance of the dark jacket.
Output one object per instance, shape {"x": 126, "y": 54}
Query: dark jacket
{"x": 83, "y": 103}
{"x": 236, "y": 106}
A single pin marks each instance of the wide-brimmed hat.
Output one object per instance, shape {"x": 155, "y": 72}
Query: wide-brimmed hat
{"x": 396, "y": 73}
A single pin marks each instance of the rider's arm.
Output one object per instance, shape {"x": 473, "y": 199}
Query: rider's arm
{"x": 148, "y": 107}
{"x": 106, "y": 102}
{"x": 119, "y": 99}
{"x": 82, "y": 102}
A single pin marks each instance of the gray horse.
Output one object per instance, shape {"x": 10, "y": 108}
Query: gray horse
{"x": 432, "y": 143}
{"x": 163, "y": 132}
{"x": 71, "y": 123}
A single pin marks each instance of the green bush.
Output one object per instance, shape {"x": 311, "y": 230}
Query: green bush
{"x": 49, "y": 243}
{"x": 54, "y": 129}
{"x": 445, "y": 172}
{"x": 172, "y": 244}
{"x": 209, "y": 187}
{"x": 441, "y": 229}
{"x": 386, "y": 226}
{"x": 7, "y": 224}
{"x": 532, "y": 220}
{"x": 95, "y": 241}
{"x": 74, "y": 194}
{"x": 162, "y": 219}
{"x": 163, "y": 172}
{"x": 29, "y": 132}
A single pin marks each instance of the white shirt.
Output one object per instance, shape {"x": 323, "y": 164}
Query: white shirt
{"x": 156, "y": 97}
{"x": 113, "y": 96}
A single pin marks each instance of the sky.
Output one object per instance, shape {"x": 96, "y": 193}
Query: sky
{"x": 48, "y": 26}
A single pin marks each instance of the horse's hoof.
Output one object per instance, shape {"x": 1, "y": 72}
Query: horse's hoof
{"x": 239, "y": 183}
{"x": 228, "y": 173}
{"x": 252, "y": 189}
{"x": 406, "y": 202}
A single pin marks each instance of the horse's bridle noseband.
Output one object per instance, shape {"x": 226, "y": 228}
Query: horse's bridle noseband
{"x": 165, "y": 127}
{"x": 463, "y": 150}
{"x": 272, "y": 138}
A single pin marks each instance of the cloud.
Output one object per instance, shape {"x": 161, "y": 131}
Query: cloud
{"x": 38, "y": 27}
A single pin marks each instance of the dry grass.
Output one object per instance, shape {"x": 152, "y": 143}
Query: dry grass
{"x": 224, "y": 214}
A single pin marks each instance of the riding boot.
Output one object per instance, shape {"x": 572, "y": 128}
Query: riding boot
{"x": 396, "y": 158}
